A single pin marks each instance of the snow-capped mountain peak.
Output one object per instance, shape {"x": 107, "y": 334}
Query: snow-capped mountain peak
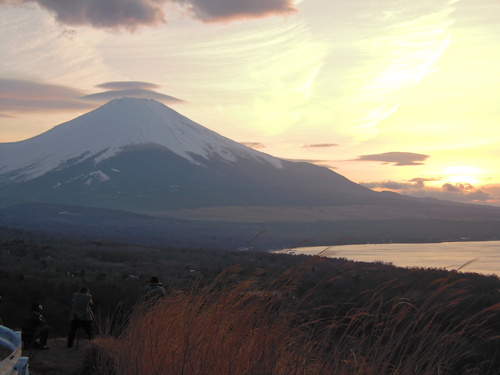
{"x": 108, "y": 130}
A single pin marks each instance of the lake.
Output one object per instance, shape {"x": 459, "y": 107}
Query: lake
{"x": 482, "y": 257}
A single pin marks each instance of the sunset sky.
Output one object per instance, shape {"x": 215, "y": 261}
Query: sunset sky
{"x": 398, "y": 95}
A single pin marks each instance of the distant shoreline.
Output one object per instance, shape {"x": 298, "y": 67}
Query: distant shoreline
{"x": 467, "y": 256}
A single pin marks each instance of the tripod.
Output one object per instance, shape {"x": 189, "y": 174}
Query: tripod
{"x": 87, "y": 327}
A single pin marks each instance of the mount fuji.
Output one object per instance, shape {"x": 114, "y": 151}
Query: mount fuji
{"x": 110, "y": 130}
{"x": 141, "y": 157}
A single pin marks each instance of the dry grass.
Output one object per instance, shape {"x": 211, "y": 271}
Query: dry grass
{"x": 237, "y": 327}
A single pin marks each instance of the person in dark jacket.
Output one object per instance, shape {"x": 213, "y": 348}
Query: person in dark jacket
{"x": 81, "y": 315}
{"x": 35, "y": 328}
{"x": 154, "y": 290}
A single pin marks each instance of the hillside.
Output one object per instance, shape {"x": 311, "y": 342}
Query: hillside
{"x": 221, "y": 295}
{"x": 313, "y": 290}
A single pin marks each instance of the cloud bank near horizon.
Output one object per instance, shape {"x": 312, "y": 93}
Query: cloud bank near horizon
{"x": 131, "y": 14}
{"x": 457, "y": 192}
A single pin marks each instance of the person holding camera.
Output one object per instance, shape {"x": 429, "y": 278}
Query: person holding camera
{"x": 35, "y": 328}
{"x": 154, "y": 291}
{"x": 81, "y": 315}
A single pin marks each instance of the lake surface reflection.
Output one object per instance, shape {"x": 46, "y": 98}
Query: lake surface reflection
{"x": 482, "y": 257}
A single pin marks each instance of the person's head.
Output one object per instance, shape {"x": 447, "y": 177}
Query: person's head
{"x": 154, "y": 280}
{"x": 84, "y": 289}
{"x": 35, "y": 306}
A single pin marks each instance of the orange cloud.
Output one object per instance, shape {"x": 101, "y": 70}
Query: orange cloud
{"x": 396, "y": 158}
{"x": 320, "y": 145}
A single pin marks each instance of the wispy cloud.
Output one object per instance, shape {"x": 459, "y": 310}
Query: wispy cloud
{"x": 395, "y": 158}
{"x": 34, "y": 90}
{"x": 255, "y": 145}
{"x": 320, "y": 145}
{"x": 393, "y": 185}
{"x": 130, "y": 14}
{"x": 318, "y": 162}
{"x": 31, "y": 96}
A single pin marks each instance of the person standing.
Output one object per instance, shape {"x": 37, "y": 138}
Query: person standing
{"x": 81, "y": 315}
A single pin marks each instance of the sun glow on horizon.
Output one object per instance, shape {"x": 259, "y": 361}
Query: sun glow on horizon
{"x": 462, "y": 174}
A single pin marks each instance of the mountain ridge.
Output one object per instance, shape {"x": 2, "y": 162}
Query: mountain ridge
{"x": 103, "y": 225}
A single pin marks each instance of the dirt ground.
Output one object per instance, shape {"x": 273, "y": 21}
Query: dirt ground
{"x": 58, "y": 360}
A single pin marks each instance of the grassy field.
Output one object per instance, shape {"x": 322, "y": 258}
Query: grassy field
{"x": 245, "y": 327}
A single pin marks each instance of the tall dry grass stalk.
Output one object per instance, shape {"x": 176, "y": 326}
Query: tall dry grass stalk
{"x": 251, "y": 327}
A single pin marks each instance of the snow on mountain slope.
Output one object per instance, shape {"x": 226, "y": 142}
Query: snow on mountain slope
{"x": 106, "y": 131}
